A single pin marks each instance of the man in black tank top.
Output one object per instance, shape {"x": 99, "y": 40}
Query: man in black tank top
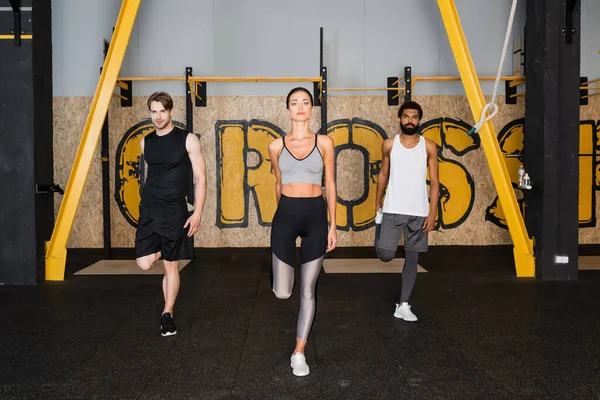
{"x": 165, "y": 222}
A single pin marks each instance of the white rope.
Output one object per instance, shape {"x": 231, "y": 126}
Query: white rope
{"x": 492, "y": 104}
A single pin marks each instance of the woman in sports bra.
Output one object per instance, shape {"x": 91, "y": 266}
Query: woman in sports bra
{"x": 299, "y": 160}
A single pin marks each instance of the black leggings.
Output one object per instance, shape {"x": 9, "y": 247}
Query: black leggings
{"x": 304, "y": 217}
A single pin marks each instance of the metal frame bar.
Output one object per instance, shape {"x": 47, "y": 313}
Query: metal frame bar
{"x": 324, "y": 100}
{"x": 523, "y": 245}
{"x": 56, "y": 254}
{"x": 105, "y": 158}
{"x": 16, "y": 7}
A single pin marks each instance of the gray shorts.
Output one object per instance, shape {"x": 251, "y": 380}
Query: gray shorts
{"x": 394, "y": 225}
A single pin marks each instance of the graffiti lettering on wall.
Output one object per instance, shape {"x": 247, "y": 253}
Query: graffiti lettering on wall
{"x": 244, "y": 168}
{"x": 511, "y": 142}
{"x": 457, "y": 189}
{"x": 245, "y": 178}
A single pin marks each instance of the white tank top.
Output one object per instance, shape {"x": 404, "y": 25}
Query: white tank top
{"x": 407, "y": 185}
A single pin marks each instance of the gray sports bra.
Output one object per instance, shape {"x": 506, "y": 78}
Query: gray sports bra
{"x": 306, "y": 170}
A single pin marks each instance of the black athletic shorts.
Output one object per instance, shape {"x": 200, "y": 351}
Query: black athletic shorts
{"x": 304, "y": 217}
{"x": 160, "y": 228}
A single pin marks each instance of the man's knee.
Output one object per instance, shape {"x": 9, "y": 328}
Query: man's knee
{"x": 386, "y": 255}
{"x": 171, "y": 267}
{"x": 145, "y": 263}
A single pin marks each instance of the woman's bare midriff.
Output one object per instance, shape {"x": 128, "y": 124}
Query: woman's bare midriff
{"x": 301, "y": 190}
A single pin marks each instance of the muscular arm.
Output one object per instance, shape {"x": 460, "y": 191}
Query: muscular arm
{"x": 384, "y": 172}
{"x": 434, "y": 183}
{"x": 194, "y": 150}
{"x": 275, "y": 148}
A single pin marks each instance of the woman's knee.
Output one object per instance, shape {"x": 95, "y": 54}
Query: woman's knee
{"x": 308, "y": 292}
{"x": 282, "y": 294}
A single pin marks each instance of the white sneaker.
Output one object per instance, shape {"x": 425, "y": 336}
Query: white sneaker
{"x": 298, "y": 364}
{"x": 379, "y": 216}
{"x": 403, "y": 312}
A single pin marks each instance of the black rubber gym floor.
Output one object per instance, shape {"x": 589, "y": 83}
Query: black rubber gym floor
{"x": 482, "y": 333}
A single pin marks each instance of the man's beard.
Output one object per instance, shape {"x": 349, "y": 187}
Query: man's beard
{"x": 409, "y": 130}
{"x": 164, "y": 124}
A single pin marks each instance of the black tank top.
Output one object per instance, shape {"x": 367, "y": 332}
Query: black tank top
{"x": 169, "y": 168}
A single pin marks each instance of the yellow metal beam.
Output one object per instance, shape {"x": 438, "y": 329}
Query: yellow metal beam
{"x": 523, "y": 245}
{"x": 11, "y": 37}
{"x": 56, "y": 254}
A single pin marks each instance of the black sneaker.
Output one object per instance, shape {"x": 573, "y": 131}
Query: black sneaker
{"x": 167, "y": 326}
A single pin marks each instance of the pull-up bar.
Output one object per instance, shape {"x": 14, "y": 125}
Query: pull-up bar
{"x": 223, "y": 79}
{"x": 457, "y": 78}
{"x": 364, "y": 89}
{"x": 200, "y": 81}
{"x": 254, "y": 79}
{"x": 511, "y": 82}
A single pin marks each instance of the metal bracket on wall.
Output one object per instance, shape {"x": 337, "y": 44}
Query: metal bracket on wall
{"x": 52, "y": 188}
{"x": 568, "y": 30}
{"x": 317, "y": 86}
{"x": 200, "y": 94}
{"x": 126, "y": 87}
{"x": 393, "y": 90}
{"x": 16, "y": 6}
{"x": 408, "y": 84}
{"x": 20, "y": 30}
{"x": 584, "y": 89}
{"x": 126, "y": 93}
